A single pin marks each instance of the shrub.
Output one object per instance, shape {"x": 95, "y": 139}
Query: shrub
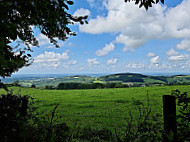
{"x": 183, "y": 118}
{"x": 13, "y": 116}
{"x": 33, "y": 86}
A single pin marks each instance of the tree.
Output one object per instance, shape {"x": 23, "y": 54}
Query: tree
{"x": 146, "y": 3}
{"x": 16, "y": 21}
{"x": 16, "y": 83}
{"x": 33, "y": 86}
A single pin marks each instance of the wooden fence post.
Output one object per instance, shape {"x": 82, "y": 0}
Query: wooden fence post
{"x": 169, "y": 112}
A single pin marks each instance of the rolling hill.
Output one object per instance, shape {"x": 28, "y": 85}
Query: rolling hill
{"x": 124, "y": 78}
{"x": 144, "y": 79}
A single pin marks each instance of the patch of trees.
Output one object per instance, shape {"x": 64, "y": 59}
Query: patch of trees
{"x": 50, "y": 87}
{"x": 161, "y": 78}
{"x": 125, "y": 79}
{"x": 33, "y": 86}
{"x": 177, "y": 83}
{"x": 89, "y": 86}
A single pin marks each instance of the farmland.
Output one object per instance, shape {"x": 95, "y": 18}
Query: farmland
{"x": 131, "y": 79}
{"x": 98, "y": 107}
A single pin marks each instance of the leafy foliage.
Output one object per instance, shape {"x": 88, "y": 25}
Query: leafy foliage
{"x": 183, "y": 118}
{"x": 16, "y": 21}
{"x": 146, "y": 3}
{"x": 13, "y": 116}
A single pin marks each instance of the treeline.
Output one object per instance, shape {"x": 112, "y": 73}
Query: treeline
{"x": 87, "y": 86}
{"x": 124, "y": 79}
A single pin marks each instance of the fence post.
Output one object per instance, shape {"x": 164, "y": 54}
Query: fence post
{"x": 169, "y": 111}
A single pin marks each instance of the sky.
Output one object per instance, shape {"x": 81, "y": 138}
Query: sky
{"x": 120, "y": 37}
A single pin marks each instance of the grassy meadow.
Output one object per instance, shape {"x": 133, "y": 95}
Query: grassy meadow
{"x": 107, "y": 108}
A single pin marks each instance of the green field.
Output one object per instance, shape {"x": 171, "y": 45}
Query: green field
{"x": 98, "y": 107}
{"x": 122, "y": 78}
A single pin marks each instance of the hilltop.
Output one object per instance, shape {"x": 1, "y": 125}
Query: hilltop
{"x": 131, "y": 79}
{"x": 144, "y": 79}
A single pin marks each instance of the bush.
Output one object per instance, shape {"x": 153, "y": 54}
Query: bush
{"x": 33, "y": 86}
{"x": 183, "y": 118}
{"x": 49, "y": 87}
{"x": 16, "y": 83}
{"x": 13, "y": 116}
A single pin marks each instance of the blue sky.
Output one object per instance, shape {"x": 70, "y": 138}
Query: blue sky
{"x": 120, "y": 37}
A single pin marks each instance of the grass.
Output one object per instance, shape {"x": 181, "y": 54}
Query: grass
{"x": 98, "y": 107}
{"x": 98, "y": 81}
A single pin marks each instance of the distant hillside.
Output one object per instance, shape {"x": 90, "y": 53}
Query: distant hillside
{"x": 42, "y": 82}
{"x": 123, "y": 77}
{"x": 144, "y": 79}
{"x": 134, "y": 79}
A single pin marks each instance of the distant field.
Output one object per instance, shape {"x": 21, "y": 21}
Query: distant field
{"x": 98, "y": 107}
{"x": 133, "y": 79}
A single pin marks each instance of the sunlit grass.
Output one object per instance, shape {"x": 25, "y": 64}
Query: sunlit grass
{"x": 98, "y": 107}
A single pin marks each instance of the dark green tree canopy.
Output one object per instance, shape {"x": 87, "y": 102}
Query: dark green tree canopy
{"x": 146, "y": 3}
{"x": 16, "y": 19}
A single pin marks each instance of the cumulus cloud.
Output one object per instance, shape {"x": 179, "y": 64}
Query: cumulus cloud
{"x": 157, "y": 66}
{"x": 134, "y": 65}
{"x": 43, "y": 40}
{"x": 175, "y": 56}
{"x": 172, "y": 52}
{"x": 178, "y": 58}
{"x": 81, "y": 12}
{"x": 72, "y": 62}
{"x": 91, "y": 2}
{"x": 50, "y": 59}
{"x": 100, "y": 4}
{"x": 112, "y": 61}
{"x": 104, "y": 51}
{"x": 184, "y": 45}
{"x": 136, "y": 26}
{"x": 150, "y": 54}
{"x": 92, "y": 62}
{"x": 155, "y": 60}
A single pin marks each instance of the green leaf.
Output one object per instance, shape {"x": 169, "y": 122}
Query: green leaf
{"x": 70, "y": 2}
{"x": 157, "y": 1}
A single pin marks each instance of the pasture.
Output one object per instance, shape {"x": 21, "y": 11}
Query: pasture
{"x": 107, "y": 108}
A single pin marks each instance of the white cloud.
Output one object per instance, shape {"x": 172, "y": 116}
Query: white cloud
{"x": 50, "y": 46}
{"x": 112, "y": 61}
{"x": 113, "y": 66}
{"x": 156, "y": 66}
{"x": 81, "y": 12}
{"x": 184, "y": 45}
{"x": 50, "y": 59}
{"x": 43, "y": 40}
{"x": 92, "y": 62}
{"x": 155, "y": 60}
{"x": 72, "y": 62}
{"x": 172, "y": 52}
{"x": 136, "y": 26}
{"x": 61, "y": 43}
{"x": 91, "y": 2}
{"x": 99, "y": 4}
{"x": 178, "y": 58}
{"x": 104, "y": 51}
{"x": 175, "y": 56}
{"x": 150, "y": 54}
{"x": 135, "y": 65}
